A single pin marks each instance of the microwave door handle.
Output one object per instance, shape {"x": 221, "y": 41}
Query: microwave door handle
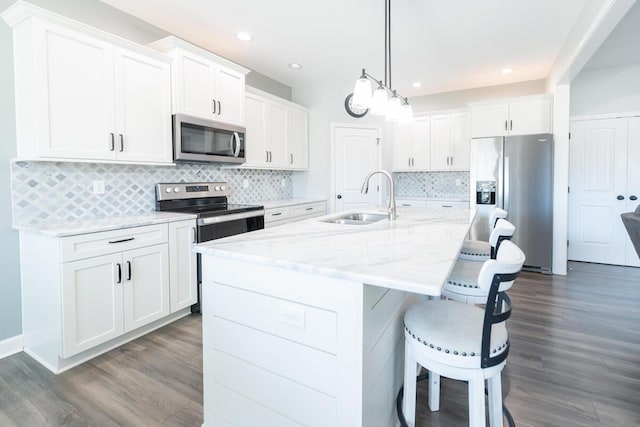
{"x": 236, "y": 137}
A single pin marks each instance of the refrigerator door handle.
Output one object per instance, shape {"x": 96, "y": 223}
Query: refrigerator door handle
{"x": 506, "y": 184}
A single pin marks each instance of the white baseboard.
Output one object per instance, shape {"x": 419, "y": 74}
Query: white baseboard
{"x": 10, "y": 346}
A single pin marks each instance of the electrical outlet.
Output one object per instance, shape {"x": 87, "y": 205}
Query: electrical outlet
{"x": 99, "y": 187}
{"x": 245, "y": 183}
{"x": 292, "y": 315}
{"x": 458, "y": 182}
{"x": 283, "y": 182}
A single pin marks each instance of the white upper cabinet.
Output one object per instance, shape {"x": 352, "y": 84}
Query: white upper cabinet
{"x": 412, "y": 145}
{"x": 517, "y": 116}
{"x": 277, "y": 133}
{"x": 82, "y": 94}
{"x": 204, "y": 85}
{"x": 450, "y": 135}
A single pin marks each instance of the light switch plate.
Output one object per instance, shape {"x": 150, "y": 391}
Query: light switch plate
{"x": 99, "y": 187}
{"x": 245, "y": 183}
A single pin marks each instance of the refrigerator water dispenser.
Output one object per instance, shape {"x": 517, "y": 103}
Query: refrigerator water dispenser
{"x": 486, "y": 192}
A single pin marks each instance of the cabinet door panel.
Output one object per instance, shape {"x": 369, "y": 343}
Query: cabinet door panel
{"x": 297, "y": 138}
{"x": 146, "y": 285}
{"x": 78, "y": 113}
{"x": 143, "y": 100}
{"x": 441, "y": 133}
{"x": 229, "y": 90}
{"x": 530, "y": 116}
{"x": 421, "y": 144}
{"x": 277, "y": 134}
{"x": 182, "y": 265}
{"x": 402, "y": 148}
{"x": 255, "y": 142}
{"x": 91, "y": 303}
{"x": 194, "y": 86}
{"x": 489, "y": 120}
{"x": 460, "y": 141}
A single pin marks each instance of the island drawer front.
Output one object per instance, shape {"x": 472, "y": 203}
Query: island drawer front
{"x": 309, "y": 209}
{"x": 274, "y": 354}
{"x": 95, "y": 244}
{"x": 301, "y": 323}
{"x": 276, "y": 214}
{"x": 237, "y": 382}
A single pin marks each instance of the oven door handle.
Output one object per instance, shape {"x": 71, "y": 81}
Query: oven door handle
{"x": 230, "y": 217}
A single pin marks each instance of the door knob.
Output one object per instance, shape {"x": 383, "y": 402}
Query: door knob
{"x": 339, "y": 196}
{"x": 620, "y": 197}
{"x": 633, "y": 198}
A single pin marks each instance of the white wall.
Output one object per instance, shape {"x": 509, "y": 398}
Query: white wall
{"x": 606, "y": 90}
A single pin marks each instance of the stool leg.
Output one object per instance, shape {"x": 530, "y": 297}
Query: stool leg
{"x": 495, "y": 400}
{"x": 409, "y": 397}
{"x": 434, "y": 391}
{"x": 476, "y": 402}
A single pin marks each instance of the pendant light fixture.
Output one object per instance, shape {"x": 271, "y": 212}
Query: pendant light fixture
{"x": 384, "y": 101}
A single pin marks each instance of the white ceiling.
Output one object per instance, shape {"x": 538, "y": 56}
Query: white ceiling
{"x": 446, "y": 44}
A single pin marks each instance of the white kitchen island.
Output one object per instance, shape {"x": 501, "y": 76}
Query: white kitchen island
{"x": 302, "y": 324}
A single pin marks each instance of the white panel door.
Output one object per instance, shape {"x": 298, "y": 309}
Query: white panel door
{"x": 633, "y": 182}
{"x": 277, "y": 131}
{"x": 597, "y": 178}
{"x": 91, "y": 302}
{"x": 183, "y": 286}
{"x": 229, "y": 91}
{"x": 441, "y": 141}
{"x": 530, "y": 116}
{"x": 421, "y": 144}
{"x": 356, "y": 154}
{"x": 143, "y": 108}
{"x": 145, "y": 274}
{"x": 76, "y": 116}
{"x": 194, "y": 80}
{"x": 297, "y": 138}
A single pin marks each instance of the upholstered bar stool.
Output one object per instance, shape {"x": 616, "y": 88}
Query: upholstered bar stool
{"x": 462, "y": 284}
{"x": 463, "y": 341}
{"x": 479, "y": 250}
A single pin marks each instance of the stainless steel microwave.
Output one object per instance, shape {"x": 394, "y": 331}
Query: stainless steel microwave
{"x": 201, "y": 140}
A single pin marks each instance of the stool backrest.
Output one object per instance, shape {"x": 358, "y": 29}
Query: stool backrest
{"x": 496, "y": 214}
{"x": 502, "y": 231}
{"x": 498, "y": 275}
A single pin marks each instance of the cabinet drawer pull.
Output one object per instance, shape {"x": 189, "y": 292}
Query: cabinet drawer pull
{"x": 128, "y": 270}
{"x": 213, "y": 103}
{"x": 291, "y": 158}
{"x": 308, "y": 209}
{"x": 276, "y": 214}
{"x": 219, "y": 108}
{"x": 119, "y": 273}
{"x": 121, "y": 143}
{"x": 194, "y": 234}
{"x": 633, "y": 198}
{"x": 113, "y": 141}
{"x": 510, "y": 124}
{"x": 446, "y": 206}
{"x": 122, "y": 240}
{"x": 505, "y": 125}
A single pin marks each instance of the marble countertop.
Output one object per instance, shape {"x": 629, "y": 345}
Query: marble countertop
{"x": 72, "y": 228}
{"x": 415, "y": 253}
{"x": 268, "y": 204}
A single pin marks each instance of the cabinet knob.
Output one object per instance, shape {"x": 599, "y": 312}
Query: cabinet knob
{"x": 633, "y": 198}
{"x": 339, "y": 196}
{"x": 620, "y": 197}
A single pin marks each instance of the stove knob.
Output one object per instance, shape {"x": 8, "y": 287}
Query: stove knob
{"x": 168, "y": 190}
{"x": 217, "y": 188}
{"x": 223, "y": 188}
{"x": 176, "y": 189}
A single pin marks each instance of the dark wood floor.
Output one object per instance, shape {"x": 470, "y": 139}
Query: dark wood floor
{"x": 574, "y": 361}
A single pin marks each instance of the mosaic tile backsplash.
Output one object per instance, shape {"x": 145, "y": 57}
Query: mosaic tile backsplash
{"x": 432, "y": 185}
{"x": 47, "y": 191}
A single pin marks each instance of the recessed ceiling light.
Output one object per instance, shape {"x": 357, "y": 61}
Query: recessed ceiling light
{"x": 417, "y": 84}
{"x": 506, "y": 71}
{"x": 295, "y": 66}
{"x": 245, "y": 37}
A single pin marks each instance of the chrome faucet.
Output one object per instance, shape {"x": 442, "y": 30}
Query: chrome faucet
{"x": 391, "y": 210}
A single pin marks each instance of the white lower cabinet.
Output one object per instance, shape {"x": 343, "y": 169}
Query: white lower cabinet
{"x": 113, "y": 286}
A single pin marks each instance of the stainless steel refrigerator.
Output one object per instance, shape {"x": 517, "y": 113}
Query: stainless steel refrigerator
{"x": 516, "y": 174}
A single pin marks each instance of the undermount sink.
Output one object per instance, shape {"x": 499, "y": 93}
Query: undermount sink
{"x": 359, "y": 218}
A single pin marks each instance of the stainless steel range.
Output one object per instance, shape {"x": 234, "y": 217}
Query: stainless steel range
{"x": 216, "y": 217}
